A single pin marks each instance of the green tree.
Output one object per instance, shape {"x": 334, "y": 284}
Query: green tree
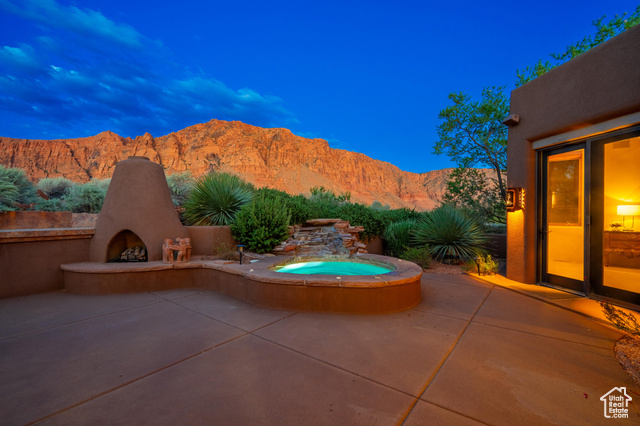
{"x": 472, "y": 189}
{"x": 604, "y": 31}
{"x": 472, "y": 134}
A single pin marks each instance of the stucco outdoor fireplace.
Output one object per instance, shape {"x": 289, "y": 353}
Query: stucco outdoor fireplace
{"x": 136, "y": 216}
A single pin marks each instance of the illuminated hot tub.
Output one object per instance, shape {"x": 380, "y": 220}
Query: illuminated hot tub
{"x": 336, "y": 267}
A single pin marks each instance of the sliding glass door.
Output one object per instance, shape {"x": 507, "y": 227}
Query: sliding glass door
{"x": 615, "y": 208}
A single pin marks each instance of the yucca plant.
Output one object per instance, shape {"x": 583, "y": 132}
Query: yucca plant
{"x": 449, "y": 235}
{"x": 216, "y": 198}
{"x": 397, "y": 237}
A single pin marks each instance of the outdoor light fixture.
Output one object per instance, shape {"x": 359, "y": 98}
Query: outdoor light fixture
{"x": 514, "y": 199}
{"x": 240, "y": 248}
{"x": 629, "y": 210}
{"x": 477, "y": 260}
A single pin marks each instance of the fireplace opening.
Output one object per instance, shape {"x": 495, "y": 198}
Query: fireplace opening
{"x": 126, "y": 246}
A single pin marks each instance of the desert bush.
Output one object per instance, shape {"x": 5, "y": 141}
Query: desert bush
{"x": 261, "y": 224}
{"x": 180, "y": 186}
{"x": 620, "y": 319}
{"x": 8, "y": 196}
{"x": 399, "y": 215}
{"x": 484, "y": 265}
{"x": 361, "y": 215}
{"x": 51, "y": 205}
{"x": 379, "y": 206}
{"x": 87, "y": 197}
{"x": 14, "y": 178}
{"x": 54, "y": 187}
{"x": 495, "y": 228}
{"x": 450, "y": 235}
{"x": 216, "y": 199}
{"x": 298, "y": 205}
{"x": 397, "y": 237}
{"x": 320, "y": 193}
{"x": 417, "y": 255}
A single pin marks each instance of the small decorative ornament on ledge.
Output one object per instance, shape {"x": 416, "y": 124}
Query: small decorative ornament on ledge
{"x": 176, "y": 253}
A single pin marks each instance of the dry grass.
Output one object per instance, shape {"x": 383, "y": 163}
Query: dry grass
{"x": 436, "y": 267}
{"x": 627, "y": 351}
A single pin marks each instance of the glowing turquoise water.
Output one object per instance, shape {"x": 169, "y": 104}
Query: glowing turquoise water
{"x": 334, "y": 268}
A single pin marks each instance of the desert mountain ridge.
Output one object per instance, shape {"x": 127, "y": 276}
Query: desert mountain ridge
{"x": 272, "y": 157}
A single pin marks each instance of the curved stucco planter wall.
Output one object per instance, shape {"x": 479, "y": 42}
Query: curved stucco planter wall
{"x": 256, "y": 283}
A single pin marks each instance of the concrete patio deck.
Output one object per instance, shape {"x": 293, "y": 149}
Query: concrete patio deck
{"x": 472, "y": 352}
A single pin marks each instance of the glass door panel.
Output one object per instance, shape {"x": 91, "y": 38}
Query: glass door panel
{"x": 563, "y": 218}
{"x": 621, "y": 215}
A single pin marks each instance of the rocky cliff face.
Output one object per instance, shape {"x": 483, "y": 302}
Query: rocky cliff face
{"x": 266, "y": 157}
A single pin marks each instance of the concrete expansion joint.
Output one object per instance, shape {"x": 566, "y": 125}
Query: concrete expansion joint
{"x": 447, "y": 355}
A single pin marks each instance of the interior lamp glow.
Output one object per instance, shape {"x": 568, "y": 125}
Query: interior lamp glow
{"x": 629, "y": 210}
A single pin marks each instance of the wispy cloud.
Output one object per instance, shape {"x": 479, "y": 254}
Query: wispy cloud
{"x": 85, "y": 73}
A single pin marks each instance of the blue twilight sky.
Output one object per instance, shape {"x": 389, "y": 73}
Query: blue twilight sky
{"x": 368, "y": 76}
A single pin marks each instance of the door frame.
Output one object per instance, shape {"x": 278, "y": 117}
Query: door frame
{"x": 544, "y": 278}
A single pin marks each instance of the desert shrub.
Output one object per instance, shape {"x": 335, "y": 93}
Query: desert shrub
{"x": 361, "y": 215}
{"x": 180, "y": 186}
{"x": 54, "y": 187}
{"x": 323, "y": 209}
{"x": 377, "y": 205}
{"x": 450, "y": 235}
{"x": 8, "y": 195}
{"x": 397, "y": 237}
{"x": 398, "y": 215}
{"x": 417, "y": 255}
{"x": 51, "y": 205}
{"x": 216, "y": 199}
{"x": 87, "y": 197}
{"x": 620, "y": 319}
{"x": 495, "y": 228}
{"x": 16, "y": 178}
{"x": 320, "y": 193}
{"x": 484, "y": 264}
{"x": 298, "y": 205}
{"x": 261, "y": 224}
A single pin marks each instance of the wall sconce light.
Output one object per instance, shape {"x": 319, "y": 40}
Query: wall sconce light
{"x": 240, "y": 248}
{"x": 515, "y": 199}
{"x": 629, "y": 210}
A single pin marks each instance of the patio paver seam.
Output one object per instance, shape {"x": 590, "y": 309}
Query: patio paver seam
{"x": 455, "y": 412}
{"x": 446, "y": 356}
{"x": 231, "y": 325}
{"x": 547, "y": 301}
{"x": 137, "y": 379}
{"x": 66, "y": 324}
{"x": 539, "y": 335}
{"x": 334, "y": 366}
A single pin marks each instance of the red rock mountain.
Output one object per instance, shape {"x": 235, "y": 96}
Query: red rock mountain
{"x": 266, "y": 157}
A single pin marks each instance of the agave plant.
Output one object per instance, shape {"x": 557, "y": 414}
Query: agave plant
{"x": 216, "y": 198}
{"x": 450, "y": 235}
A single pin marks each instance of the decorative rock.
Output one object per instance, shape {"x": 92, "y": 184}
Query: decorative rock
{"x": 323, "y": 237}
{"x": 321, "y": 222}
